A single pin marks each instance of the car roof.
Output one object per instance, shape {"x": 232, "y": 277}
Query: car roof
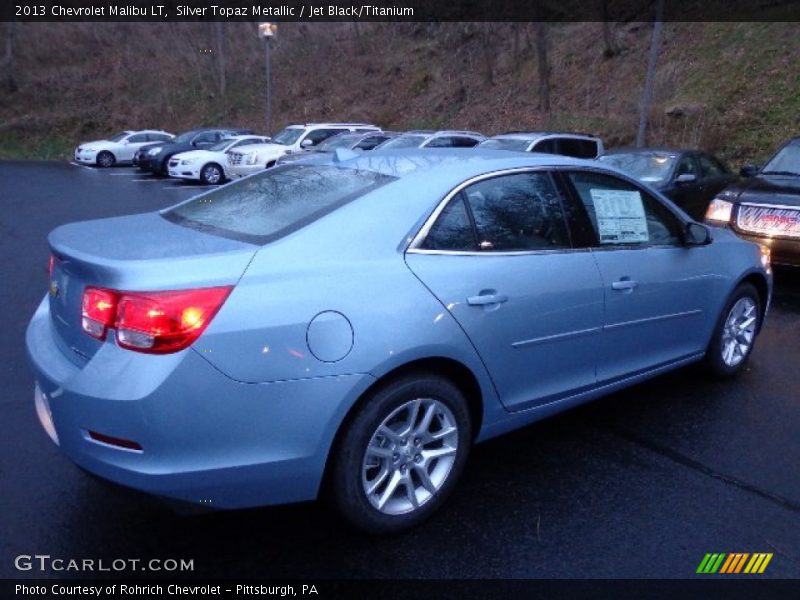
{"x": 652, "y": 151}
{"x": 535, "y": 135}
{"x": 440, "y": 132}
{"x": 307, "y": 125}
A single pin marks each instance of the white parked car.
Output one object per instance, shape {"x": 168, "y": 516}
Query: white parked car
{"x": 578, "y": 145}
{"x": 294, "y": 138}
{"x": 209, "y": 165}
{"x": 118, "y": 149}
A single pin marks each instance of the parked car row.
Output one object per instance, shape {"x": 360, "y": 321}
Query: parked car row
{"x": 764, "y": 207}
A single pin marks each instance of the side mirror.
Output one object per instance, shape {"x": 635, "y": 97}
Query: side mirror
{"x": 306, "y": 143}
{"x": 685, "y": 178}
{"x": 749, "y": 171}
{"x": 696, "y": 234}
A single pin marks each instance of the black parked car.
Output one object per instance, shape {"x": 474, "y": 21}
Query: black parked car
{"x": 154, "y": 157}
{"x": 689, "y": 178}
{"x": 765, "y": 206}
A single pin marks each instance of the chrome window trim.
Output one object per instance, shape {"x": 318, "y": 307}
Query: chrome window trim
{"x": 416, "y": 241}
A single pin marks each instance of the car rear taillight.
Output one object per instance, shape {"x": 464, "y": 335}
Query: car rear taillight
{"x": 51, "y": 265}
{"x": 99, "y": 311}
{"x": 154, "y": 322}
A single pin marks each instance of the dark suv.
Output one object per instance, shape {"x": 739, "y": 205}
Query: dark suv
{"x": 154, "y": 157}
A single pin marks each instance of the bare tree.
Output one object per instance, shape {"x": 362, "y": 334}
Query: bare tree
{"x": 219, "y": 34}
{"x": 7, "y": 65}
{"x": 650, "y": 79}
{"x": 611, "y": 48}
{"x": 540, "y": 31}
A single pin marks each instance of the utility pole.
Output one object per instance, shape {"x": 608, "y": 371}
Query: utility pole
{"x": 267, "y": 31}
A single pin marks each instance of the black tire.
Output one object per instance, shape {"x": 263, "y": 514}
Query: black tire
{"x": 345, "y": 485}
{"x": 212, "y": 174}
{"x": 715, "y": 360}
{"x": 105, "y": 159}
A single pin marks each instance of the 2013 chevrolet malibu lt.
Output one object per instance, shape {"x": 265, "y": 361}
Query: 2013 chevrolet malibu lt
{"x": 355, "y": 327}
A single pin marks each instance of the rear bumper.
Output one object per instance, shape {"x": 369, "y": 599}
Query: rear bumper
{"x": 205, "y": 438}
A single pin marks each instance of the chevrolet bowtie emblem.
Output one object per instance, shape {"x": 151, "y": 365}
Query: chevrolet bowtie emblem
{"x": 54, "y": 288}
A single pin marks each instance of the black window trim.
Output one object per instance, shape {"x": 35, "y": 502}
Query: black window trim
{"x": 573, "y": 196}
{"x": 415, "y": 246}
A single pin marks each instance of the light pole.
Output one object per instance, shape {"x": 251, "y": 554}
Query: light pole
{"x": 267, "y": 31}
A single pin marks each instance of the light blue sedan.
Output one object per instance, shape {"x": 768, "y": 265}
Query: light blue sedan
{"x": 355, "y": 327}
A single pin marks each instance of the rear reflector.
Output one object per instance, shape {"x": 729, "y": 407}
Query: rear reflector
{"x": 153, "y": 322}
{"x": 115, "y": 441}
{"x": 99, "y": 311}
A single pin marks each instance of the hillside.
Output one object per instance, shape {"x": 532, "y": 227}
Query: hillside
{"x": 732, "y": 88}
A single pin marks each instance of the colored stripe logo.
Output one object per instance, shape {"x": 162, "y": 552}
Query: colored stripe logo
{"x": 735, "y": 562}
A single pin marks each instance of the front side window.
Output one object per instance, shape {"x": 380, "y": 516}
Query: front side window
{"x": 138, "y": 138}
{"x": 686, "y": 166}
{"x": 158, "y": 137}
{"x": 288, "y": 136}
{"x": 623, "y": 214}
{"x": 368, "y": 143}
{"x": 546, "y": 146}
{"x": 207, "y": 137}
{"x": 276, "y": 202}
{"x": 441, "y": 142}
{"x": 404, "y": 141}
{"x": 513, "y": 144}
{"x": 710, "y": 167}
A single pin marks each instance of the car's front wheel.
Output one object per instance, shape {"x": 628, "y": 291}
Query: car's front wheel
{"x": 211, "y": 174}
{"x": 735, "y": 332}
{"x": 401, "y": 454}
{"x": 105, "y": 159}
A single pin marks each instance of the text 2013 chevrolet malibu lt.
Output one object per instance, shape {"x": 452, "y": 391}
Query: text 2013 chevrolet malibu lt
{"x": 354, "y": 327}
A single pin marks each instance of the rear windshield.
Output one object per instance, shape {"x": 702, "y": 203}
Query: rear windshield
{"x": 274, "y": 203}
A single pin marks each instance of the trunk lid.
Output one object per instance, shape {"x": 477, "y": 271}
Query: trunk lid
{"x": 132, "y": 253}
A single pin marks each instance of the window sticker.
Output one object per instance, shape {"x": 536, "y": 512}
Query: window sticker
{"x": 620, "y": 216}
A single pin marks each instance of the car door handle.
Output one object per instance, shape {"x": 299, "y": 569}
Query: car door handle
{"x": 484, "y": 299}
{"x": 624, "y": 285}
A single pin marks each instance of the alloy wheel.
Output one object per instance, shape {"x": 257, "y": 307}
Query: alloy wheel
{"x": 739, "y": 331}
{"x": 409, "y": 456}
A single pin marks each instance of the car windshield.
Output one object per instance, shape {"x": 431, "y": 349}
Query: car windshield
{"x": 516, "y": 144}
{"x": 185, "y": 137}
{"x": 288, "y": 136}
{"x": 648, "y": 167}
{"x": 785, "y": 162}
{"x": 119, "y": 137}
{"x": 269, "y": 205}
{"x": 404, "y": 141}
{"x": 338, "y": 141}
{"x": 220, "y": 146}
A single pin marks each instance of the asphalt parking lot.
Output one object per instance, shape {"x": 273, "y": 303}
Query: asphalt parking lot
{"x": 643, "y": 483}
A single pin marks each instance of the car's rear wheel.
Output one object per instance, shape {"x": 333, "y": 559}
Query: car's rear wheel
{"x": 211, "y": 174}
{"x": 735, "y": 332}
{"x": 402, "y": 453}
{"x": 105, "y": 159}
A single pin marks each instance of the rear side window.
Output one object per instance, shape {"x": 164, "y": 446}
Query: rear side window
{"x": 274, "y": 203}
{"x": 546, "y": 146}
{"x": 517, "y": 212}
{"x": 578, "y": 148}
{"x": 453, "y": 229}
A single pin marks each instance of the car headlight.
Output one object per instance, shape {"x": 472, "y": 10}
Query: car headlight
{"x": 154, "y": 152}
{"x": 719, "y": 211}
{"x": 251, "y": 158}
{"x": 188, "y": 161}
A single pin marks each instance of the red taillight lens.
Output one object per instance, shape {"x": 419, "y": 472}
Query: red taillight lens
{"x": 155, "y": 322}
{"x": 99, "y": 311}
{"x": 162, "y": 322}
{"x": 52, "y": 265}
